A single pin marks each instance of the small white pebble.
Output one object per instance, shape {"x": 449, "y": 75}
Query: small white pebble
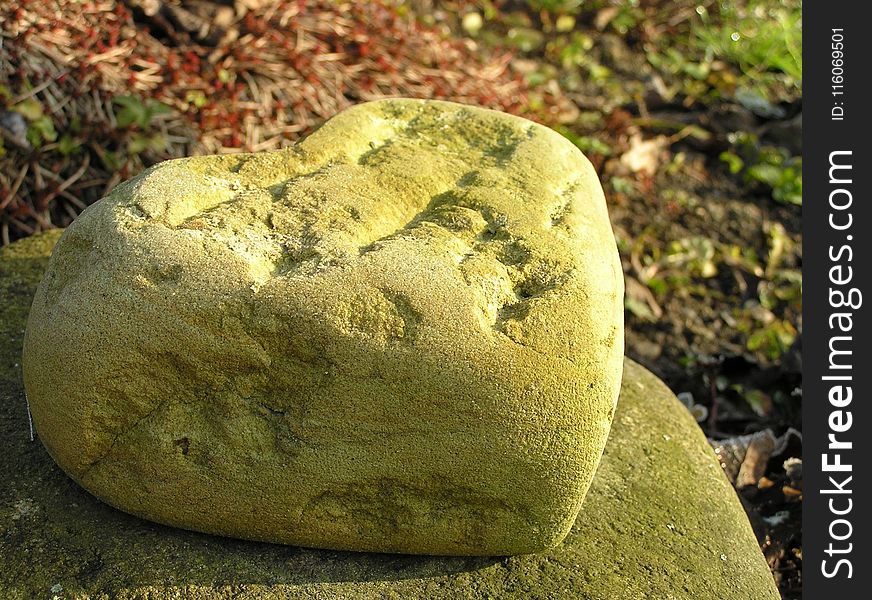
{"x": 778, "y": 518}
{"x": 724, "y": 557}
{"x": 667, "y": 437}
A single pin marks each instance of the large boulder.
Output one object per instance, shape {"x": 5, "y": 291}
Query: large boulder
{"x": 660, "y": 519}
{"x": 403, "y": 334}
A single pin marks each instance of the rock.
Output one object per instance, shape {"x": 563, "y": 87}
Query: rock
{"x": 14, "y": 128}
{"x": 404, "y": 334}
{"x": 659, "y": 521}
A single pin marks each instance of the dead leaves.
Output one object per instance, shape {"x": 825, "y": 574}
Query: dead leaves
{"x": 645, "y": 156}
{"x": 744, "y": 458}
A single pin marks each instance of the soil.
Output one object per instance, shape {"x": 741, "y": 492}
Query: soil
{"x": 696, "y": 345}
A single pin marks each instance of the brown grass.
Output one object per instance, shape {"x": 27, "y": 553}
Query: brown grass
{"x": 256, "y": 81}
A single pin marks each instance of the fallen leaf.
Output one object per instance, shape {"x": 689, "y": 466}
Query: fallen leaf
{"x": 791, "y": 492}
{"x": 639, "y": 295}
{"x": 645, "y": 156}
{"x": 744, "y": 457}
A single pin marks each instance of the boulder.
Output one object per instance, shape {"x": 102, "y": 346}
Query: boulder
{"x": 660, "y": 519}
{"x": 404, "y": 334}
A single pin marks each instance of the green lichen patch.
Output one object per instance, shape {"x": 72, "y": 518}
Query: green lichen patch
{"x": 376, "y": 340}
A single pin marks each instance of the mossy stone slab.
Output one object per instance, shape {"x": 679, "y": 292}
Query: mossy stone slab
{"x": 660, "y": 519}
{"x": 403, "y": 334}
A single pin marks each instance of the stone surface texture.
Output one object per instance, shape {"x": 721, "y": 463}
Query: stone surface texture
{"x": 660, "y": 520}
{"x": 403, "y": 334}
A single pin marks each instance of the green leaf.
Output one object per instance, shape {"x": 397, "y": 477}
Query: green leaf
{"x": 764, "y": 173}
{"x": 137, "y": 144}
{"x": 133, "y": 112}
{"x": 587, "y": 143}
{"x": 140, "y": 142}
{"x": 30, "y": 109}
{"x": 733, "y": 160}
{"x": 157, "y": 142}
{"x": 196, "y": 97}
{"x": 111, "y": 160}
{"x": 525, "y": 39}
{"x": 759, "y": 402}
{"x": 68, "y": 145}
{"x": 622, "y": 185}
{"x": 41, "y": 130}
{"x": 658, "y": 286}
{"x": 772, "y": 340}
{"x": 156, "y": 108}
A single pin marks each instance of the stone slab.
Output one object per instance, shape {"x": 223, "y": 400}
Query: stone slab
{"x": 660, "y": 520}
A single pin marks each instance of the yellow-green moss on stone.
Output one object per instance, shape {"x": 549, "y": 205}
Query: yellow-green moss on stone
{"x": 660, "y": 520}
{"x": 403, "y": 334}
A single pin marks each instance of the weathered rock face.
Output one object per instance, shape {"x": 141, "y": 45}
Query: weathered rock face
{"x": 402, "y": 335}
{"x": 660, "y": 520}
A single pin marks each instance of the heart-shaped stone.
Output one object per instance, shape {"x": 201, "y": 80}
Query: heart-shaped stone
{"x": 403, "y": 334}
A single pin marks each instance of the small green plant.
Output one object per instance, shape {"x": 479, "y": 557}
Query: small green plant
{"x": 587, "y": 144}
{"x": 525, "y": 39}
{"x": 733, "y": 161}
{"x": 133, "y": 111}
{"x": 622, "y": 185}
{"x": 697, "y": 255}
{"x": 746, "y": 51}
{"x": 138, "y": 114}
{"x": 555, "y": 6}
{"x": 781, "y": 173}
{"x": 769, "y": 166}
{"x": 785, "y": 287}
{"x": 773, "y": 339}
{"x": 676, "y": 62}
{"x": 761, "y": 38}
{"x": 574, "y": 52}
{"x": 40, "y": 127}
{"x": 40, "y": 131}
{"x": 628, "y": 17}
{"x": 196, "y": 97}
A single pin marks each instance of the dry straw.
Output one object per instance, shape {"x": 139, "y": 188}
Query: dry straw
{"x": 91, "y": 92}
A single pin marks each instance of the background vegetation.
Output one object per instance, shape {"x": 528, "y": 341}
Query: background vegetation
{"x": 690, "y": 111}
